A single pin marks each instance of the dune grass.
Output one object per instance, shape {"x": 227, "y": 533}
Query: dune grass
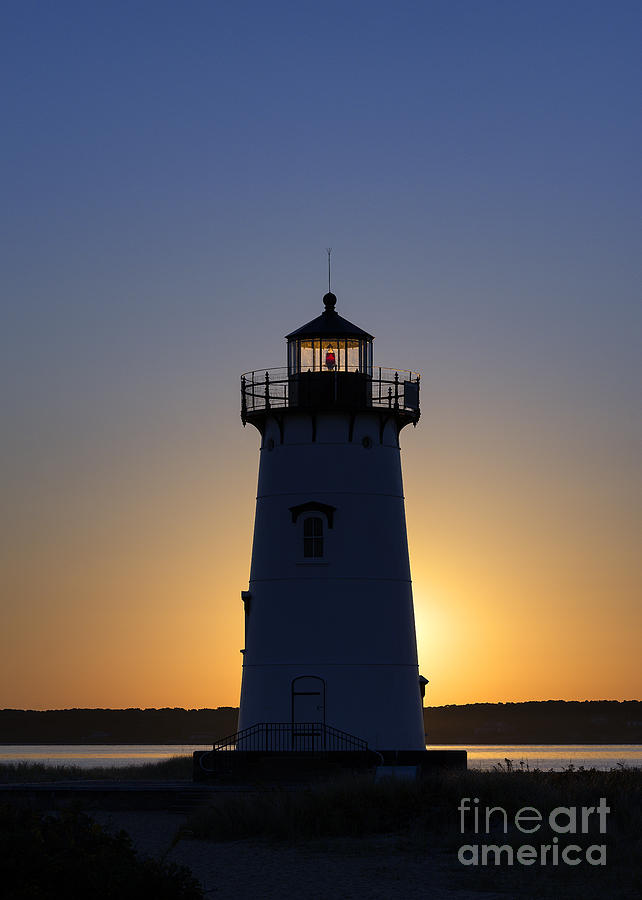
{"x": 175, "y": 768}
{"x": 358, "y": 806}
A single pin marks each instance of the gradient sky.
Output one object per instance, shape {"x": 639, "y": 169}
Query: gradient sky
{"x": 171, "y": 176}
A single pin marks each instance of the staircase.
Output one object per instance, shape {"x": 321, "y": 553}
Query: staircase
{"x": 283, "y": 752}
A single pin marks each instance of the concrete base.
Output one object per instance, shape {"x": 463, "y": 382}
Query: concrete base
{"x": 223, "y": 766}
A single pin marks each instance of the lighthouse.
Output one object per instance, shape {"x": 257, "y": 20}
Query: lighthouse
{"x": 330, "y": 655}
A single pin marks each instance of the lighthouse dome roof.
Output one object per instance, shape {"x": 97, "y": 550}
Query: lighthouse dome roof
{"x": 329, "y": 324}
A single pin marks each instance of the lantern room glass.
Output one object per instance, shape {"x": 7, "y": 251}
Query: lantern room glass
{"x": 330, "y": 354}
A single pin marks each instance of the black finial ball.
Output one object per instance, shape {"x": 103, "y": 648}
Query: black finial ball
{"x": 330, "y": 302}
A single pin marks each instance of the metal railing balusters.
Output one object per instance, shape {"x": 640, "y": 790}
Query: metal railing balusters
{"x": 271, "y": 389}
{"x": 278, "y": 736}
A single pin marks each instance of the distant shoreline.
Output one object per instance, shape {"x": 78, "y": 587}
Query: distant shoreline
{"x": 541, "y": 722}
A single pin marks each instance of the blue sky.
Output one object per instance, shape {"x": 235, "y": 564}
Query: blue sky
{"x": 171, "y": 176}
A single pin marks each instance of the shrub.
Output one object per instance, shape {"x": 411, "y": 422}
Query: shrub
{"x": 45, "y": 857}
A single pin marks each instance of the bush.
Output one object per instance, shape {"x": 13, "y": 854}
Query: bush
{"x": 48, "y": 857}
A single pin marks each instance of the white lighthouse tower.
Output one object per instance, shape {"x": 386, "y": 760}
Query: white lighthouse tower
{"x": 330, "y": 645}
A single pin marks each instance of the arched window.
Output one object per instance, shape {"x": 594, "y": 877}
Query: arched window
{"x": 313, "y": 537}
{"x": 316, "y": 517}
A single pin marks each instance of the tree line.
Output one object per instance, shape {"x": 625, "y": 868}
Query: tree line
{"x": 536, "y": 722}
{"x": 544, "y": 722}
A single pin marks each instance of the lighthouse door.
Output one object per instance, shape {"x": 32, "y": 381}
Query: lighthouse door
{"x": 308, "y": 712}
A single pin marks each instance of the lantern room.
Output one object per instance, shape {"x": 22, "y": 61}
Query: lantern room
{"x": 329, "y": 343}
{"x": 330, "y": 367}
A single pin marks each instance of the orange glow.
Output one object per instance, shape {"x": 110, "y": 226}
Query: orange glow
{"x": 131, "y": 597}
{"x": 127, "y": 577}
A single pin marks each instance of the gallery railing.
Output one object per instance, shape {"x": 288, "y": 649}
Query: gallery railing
{"x": 266, "y": 389}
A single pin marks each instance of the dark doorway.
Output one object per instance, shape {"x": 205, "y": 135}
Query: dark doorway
{"x": 308, "y": 712}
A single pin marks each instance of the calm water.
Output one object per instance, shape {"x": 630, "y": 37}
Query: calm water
{"x": 88, "y": 755}
{"x": 480, "y": 756}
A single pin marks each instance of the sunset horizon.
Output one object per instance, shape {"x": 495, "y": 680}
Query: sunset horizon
{"x": 235, "y": 706}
